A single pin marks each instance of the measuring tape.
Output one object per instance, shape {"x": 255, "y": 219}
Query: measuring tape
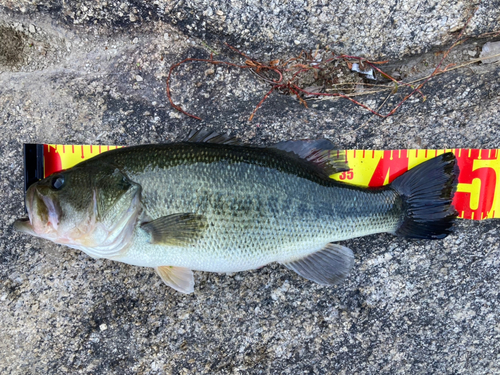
{"x": 476, "y": 197}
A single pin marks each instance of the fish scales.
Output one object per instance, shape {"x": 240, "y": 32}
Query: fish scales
{"x": 260, "y": 207}
{"x": 212, "y": 205}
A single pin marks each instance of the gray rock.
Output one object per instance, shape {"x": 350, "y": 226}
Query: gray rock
{"x": 409, "y": 307}
{"x": 490, "y": 53}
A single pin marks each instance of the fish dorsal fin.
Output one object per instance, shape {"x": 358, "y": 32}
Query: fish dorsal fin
{"x": 328, "y": 266}
{"x": 320, "y": 152}
{"x": 211, "y": 136}
{"x": 179, "y": 278}
{"x": 176, "y": 230}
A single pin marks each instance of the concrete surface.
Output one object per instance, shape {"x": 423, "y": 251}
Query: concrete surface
{"x": 94, "y": 72}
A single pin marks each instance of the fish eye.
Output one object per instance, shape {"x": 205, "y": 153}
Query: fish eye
{"x": 57, "y": 182}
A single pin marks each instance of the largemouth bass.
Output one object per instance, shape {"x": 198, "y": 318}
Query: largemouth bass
{"x": 212, "y": 204}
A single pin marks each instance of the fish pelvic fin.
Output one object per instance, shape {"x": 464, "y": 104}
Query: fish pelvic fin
{"x": 176, "y": 230}
{"x": 179, "y": 278}
{"x": 427, "y": 193}
{"x": 320, "y": 153}
{"x": 328, "y": 266}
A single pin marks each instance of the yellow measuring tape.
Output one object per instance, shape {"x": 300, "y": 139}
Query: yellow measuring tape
{"x": 477, "y": 196}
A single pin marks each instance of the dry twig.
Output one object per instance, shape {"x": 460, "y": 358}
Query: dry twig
{"x": 323, "y": 74}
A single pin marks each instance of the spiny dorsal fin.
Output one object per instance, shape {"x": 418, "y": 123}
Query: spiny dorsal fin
{"x": 179, "y": 278}
{"x": 211, "y": 136}
{"x": 328, "y": 266}
{"x": 320, "y": 152}
{"x": 176, "y": 230}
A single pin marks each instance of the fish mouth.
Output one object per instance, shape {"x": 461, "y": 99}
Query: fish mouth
{"x": 23, "y": 225}
{"x": 43, "y": 214}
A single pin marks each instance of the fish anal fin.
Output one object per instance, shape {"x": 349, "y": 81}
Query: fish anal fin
{"x": 176, "y": 229}
{"x": 320, "y": 152}
{"x": 328, "y": 266}
{"x": 179, "y": 278}
{"x": 211, "y": 136}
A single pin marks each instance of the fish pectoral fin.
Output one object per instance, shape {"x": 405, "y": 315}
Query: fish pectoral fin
{"x": 176, "y": 229}
{"x": 179, "y": 278}
{"x": 328, "y": 266}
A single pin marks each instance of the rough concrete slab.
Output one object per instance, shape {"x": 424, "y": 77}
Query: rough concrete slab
{"x": 94, "y": 72}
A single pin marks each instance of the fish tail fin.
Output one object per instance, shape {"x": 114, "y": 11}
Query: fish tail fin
{"x": 427, "y": 192}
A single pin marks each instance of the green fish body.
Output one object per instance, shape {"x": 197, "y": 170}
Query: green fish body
{"x": 210, "y": 204}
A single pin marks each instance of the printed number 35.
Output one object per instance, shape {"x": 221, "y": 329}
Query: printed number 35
{"x": 349, "y": 175}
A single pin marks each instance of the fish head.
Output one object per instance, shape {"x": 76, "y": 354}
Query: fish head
{"x": 85, "y": 208}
